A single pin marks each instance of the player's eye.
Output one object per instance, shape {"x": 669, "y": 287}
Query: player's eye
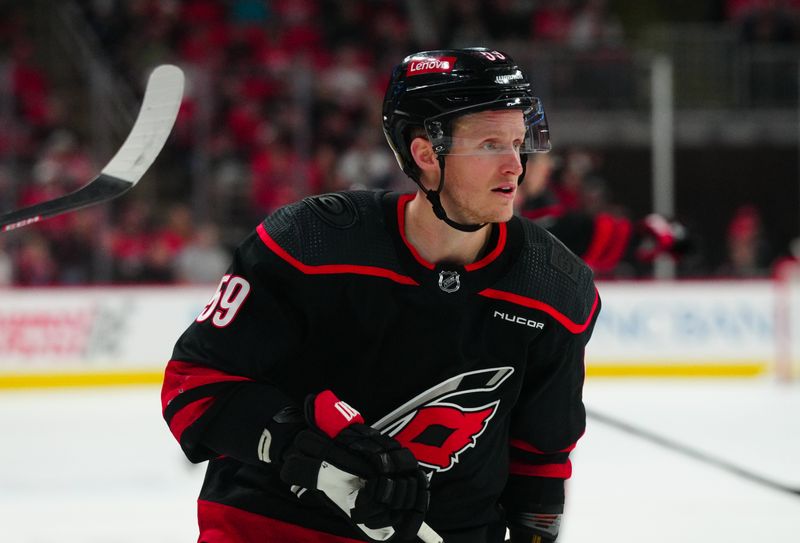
{"x": 490, "y": 146}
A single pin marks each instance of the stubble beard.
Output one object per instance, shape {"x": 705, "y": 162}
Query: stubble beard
{"x": 463, "y": 211}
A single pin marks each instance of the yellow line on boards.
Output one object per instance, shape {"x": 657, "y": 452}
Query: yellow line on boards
{"x": 675, "y": 370}
{"x": 63, "y": 380}
{"x": 102, "y": 379}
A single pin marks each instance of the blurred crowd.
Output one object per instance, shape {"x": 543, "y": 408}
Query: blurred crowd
{"x": 283, "y": 101}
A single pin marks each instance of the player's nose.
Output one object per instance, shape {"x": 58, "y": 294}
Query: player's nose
{"x": 512, "y": 164}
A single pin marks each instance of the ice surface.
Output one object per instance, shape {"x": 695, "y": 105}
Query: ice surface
{"x": 626, "y": 489}
{"x": 99, "y": 466}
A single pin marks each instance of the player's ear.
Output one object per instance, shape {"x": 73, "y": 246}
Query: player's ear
{"x": 422, "y": 151}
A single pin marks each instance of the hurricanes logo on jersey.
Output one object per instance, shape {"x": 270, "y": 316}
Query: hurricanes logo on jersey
{"x": 440, "y": 424}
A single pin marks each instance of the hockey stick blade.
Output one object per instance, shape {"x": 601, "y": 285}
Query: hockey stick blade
{"x": 691, "y": 452}
{"x": 162, "y": 99}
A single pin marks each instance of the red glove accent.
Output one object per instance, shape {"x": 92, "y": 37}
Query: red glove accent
{"x": 332, "y": 415}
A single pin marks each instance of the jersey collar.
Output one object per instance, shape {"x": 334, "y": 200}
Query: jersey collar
{"x": 505, "y": 242}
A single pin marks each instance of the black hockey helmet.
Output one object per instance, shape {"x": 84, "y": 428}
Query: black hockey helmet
{"x": 429, "y": 89}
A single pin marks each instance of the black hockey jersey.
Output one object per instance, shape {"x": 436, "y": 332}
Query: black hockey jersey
{"x": 477, "y": 369}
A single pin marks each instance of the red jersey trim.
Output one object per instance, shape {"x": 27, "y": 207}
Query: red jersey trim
{"x": 188, "y": 415}
{"x": 555, "y": 471}
{"x": 225, "y": 524}
{"x": 401, "y": 225}
{"x": 525, "y": 446}
{"x": 488, "y": 259}
{"x": 330, "y": 269}
{"x": 182, "y": 376}
{"x": 485, "y": 261}
{"x": 574, "y": 327}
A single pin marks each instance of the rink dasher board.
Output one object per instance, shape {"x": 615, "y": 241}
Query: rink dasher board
{"x": 685, "y": 328}
{"x": 107, "y": 335}
{"x": 104, "y": 329}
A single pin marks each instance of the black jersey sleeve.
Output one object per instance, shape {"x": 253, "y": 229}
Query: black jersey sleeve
{"x": 250, "y": 356}
{"x": 222, "y": 387}
{"x": 549, "y": 416}
{"x": 549, "y": 419}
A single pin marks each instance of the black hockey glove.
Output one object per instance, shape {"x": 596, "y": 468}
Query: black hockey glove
{"x": 370, "y": 477}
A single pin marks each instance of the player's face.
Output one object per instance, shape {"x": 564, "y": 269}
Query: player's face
{"x": 483, "y": 166}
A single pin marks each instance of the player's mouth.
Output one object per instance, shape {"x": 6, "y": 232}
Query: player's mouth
{"x": 506, "y": 189}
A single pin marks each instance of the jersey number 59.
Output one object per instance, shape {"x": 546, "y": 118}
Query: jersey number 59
{"x": 231, "y": 294}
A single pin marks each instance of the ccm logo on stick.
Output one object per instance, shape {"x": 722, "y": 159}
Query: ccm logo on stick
{"x": 518, "y": 320}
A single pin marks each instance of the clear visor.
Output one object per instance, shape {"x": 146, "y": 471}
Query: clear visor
{"x": 491, "y": 130}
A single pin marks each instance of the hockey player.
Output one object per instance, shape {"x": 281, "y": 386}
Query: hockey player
{"x": 372, "y": 361}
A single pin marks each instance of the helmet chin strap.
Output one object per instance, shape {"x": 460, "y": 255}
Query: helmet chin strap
{"x": 433, "y": 197}
{"x": 436, "y": 202}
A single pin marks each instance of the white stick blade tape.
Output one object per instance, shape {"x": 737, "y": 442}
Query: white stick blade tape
{"x": 162, "y": 99}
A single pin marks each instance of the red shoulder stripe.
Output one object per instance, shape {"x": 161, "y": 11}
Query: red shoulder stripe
{"x": 574, "y": 327}
{"x": 329, "y": 269}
